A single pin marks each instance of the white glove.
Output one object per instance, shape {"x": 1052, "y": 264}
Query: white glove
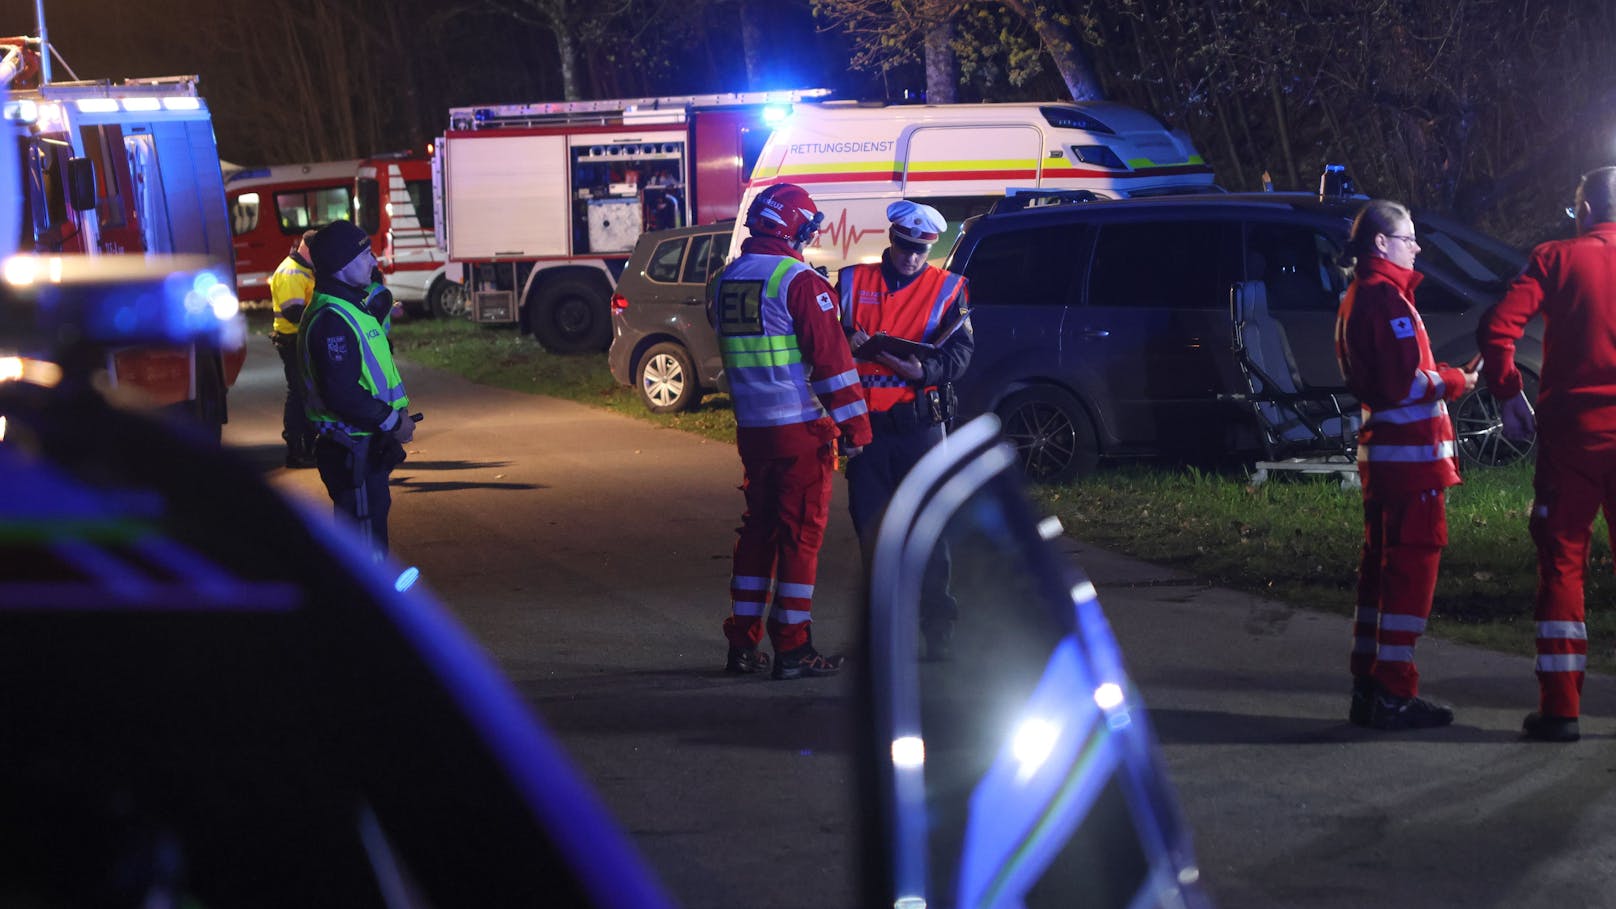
{"x": 1520, "y": 424}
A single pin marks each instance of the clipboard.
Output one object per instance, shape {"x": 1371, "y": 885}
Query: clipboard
{"x": 882, "y": 342}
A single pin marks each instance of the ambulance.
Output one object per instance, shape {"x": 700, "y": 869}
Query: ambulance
{"x": 542, "y": 203}
{"x": 127, "y": 167}
{"x": 393, "y": 203}
{"x": 270, "y": 207}
{"x": 855, "y": 159}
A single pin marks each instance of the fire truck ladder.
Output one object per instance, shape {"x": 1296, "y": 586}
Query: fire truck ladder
{"x": 509, "y": 116}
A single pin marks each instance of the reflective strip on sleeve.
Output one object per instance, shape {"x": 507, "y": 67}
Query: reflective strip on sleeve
{"x": 839, "y": 381}
{"x": 849, "y": 411}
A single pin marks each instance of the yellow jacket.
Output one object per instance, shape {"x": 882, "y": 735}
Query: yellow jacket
{"x": 291, "y": 288}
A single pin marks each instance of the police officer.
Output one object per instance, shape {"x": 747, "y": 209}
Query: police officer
{"x": 795, "y": 389}
{"x": 910, "y": 395}
{"x": 290, "y": 289}
{"x": 354, "y": 396}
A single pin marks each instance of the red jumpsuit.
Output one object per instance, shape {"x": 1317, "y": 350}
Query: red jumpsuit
{"x": 793, "y": 381}
{"x": 1406, "y": 458}
{"x": 1572, "y": 284}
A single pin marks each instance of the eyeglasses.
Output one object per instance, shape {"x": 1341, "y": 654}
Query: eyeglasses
{"x": 1406, "y": 238}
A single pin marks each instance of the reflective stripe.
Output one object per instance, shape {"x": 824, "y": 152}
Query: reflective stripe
{"x": 849, "y": 411}
{"x": 747, "y": 608}
{"x": 743, "y": 359}
{"x": 1561, "y": 662}
{"x": 1396, "y": 653}
{"x": 1402, "y": 416}
{"x": 791, "y": 616}
{"x": 378, "y": 374}
{"x": 748, "y": 582}
{"x": 1406, "y": 454}
{"x": 1575, "y": 631}
{"x": 884, "y": 381}
{"x": 1390, "y": 621}
{"x": 772, "y": 289}
{"x": 799, "y": 591}
{"x": 834, "y": 383}
{"x": 1424, "y": 382}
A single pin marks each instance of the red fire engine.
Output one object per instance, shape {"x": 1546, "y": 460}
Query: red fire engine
{"x": 393, "y": 203}
{"x": 270, "y": 207}
{"x": 541, "y": 204}
{"x": 127, "y": 167}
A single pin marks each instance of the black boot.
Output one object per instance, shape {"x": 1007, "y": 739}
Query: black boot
{"x": 1543, "y": 728}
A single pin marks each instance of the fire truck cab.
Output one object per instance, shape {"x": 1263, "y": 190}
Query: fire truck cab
{"x": 270, "y": 207}
{"x": 393, "y": 203}
{"x": 856, "y": 159}
{"x": 542, "y": 203}
{"x": 129, "y": 167}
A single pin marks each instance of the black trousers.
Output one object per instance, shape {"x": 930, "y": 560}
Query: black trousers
{"x": 295, "y": 426}
{"x": 356, "y": 479}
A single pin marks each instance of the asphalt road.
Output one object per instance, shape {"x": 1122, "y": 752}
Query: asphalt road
{"x": 589, "y": 554}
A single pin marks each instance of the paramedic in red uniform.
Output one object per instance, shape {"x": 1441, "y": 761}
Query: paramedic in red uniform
{"x": 1406, "y": 460}
{"x": 1572, "y": 284}
{"x": 795, "y": 390}
{"x": 910, "y": 397}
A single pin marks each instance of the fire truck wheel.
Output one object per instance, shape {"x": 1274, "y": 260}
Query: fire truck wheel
{"x": 571, "y": 315}
{"x": 667, "y": 379}
{"x": 447, "y": 300}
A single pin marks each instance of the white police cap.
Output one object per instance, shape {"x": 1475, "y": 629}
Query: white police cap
{"x": 915, "y": 222}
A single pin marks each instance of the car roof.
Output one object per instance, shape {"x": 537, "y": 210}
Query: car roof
{"x": 1306, "y": 204}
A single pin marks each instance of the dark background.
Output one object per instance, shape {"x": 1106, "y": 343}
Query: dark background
{"x": 1489, "y": 108}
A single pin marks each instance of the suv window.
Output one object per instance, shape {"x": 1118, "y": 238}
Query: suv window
{"x": 665, "y": 259}
{"x": 705, "y": 255}
{"x": 1131, "y": 265}
{"x": 1027, "y": 267}
{"x": 1298, "y": 265}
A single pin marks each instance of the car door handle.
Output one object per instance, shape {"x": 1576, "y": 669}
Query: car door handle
{"x": 1094, "y": 334}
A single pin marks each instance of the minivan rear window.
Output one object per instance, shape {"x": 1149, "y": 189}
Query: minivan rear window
{"x": 1028, "y": 267}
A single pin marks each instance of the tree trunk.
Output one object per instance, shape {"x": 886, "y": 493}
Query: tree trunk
{"x": 942, "y": 70}
{"x": 1065, "y": 48}
{"x": 1284, "y": 132}
{"x": 751, "y": 45}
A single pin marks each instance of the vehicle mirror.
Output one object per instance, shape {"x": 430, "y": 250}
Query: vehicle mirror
{"x": 81, "y": 184}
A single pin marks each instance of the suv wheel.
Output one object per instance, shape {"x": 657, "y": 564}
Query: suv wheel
{"x": 1052, "y": 434}
{"x": 667, "y": 379}
{"x": 1479, "y": 429}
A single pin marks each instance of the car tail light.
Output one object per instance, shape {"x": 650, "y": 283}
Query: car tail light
{"x": 619, "y": 302}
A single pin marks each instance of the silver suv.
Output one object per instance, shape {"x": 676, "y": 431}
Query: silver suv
{"x": 662, "y": 343}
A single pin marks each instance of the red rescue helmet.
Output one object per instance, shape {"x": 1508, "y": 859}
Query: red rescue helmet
{"x": 785, "y": 210}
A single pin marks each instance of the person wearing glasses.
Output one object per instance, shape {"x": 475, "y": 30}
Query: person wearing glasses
{"x": 1572, "y": 285}
{"x": 1406, "y": 459}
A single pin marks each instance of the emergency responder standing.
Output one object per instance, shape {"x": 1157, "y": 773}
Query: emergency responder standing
{"x": 1406, "y": 460}
{"x": 911, "y": 397}
{"x": 354, "y": 395}
{"x": 794, "y": 386}
{"x": 1572, "y": 284}
{"x": 291, "y": 288}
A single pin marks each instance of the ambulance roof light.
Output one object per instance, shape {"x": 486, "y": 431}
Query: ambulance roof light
{"x": 776, "y": 114}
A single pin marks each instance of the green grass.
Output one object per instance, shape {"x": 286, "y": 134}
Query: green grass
{"x": 504, "y": 358}
{"x": 1293, "y": 538}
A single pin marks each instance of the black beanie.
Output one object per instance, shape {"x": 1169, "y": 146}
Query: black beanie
{"x": 335, "y": 246}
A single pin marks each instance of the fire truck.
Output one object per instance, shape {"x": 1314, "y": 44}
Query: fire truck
{"x": 270, "y": 207}
{"x": 126, "y": 167}
{"x": 393, "y": 203}
{"x": 541, "y": 204}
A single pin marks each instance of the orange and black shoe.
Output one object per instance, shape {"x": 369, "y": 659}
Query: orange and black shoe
{"x": 806, "y": 662}
{"x": 746, "y": 660}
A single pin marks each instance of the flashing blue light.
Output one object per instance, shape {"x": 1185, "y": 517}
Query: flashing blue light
{"x": 776, "y": 114}
{"x": 407, "y": 578}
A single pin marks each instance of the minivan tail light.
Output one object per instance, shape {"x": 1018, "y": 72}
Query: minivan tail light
{"x": 619, "y": 302}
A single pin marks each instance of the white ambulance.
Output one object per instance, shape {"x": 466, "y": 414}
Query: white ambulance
{"x": 856, "y": 159}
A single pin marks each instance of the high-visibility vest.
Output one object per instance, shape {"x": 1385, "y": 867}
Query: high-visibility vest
{"x": 914, "y": 313}
{"x": 292, "y": 282}
{"x": 758, "y": 341}
{"x": 379, "y": 374}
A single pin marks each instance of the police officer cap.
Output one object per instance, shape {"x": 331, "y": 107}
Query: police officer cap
{"x": 915, "y": 223}
{"x": 335, "y": 246}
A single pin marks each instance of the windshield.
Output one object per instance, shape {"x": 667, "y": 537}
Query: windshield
{"x": 1467, "y": 255}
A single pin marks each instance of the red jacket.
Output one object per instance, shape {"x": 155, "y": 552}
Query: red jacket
{"x": 816, "y": 323}
{"x": 1572, "y": 283}
{"x": 1406, "y": 442}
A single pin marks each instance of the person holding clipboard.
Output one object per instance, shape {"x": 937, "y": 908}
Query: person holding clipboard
{"x": 909, "y": 325}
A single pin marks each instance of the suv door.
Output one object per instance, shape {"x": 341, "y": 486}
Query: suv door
{"x": 1154, "y": 334}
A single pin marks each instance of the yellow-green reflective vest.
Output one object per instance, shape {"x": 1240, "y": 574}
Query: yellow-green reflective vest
{"x": 379, "y": 375}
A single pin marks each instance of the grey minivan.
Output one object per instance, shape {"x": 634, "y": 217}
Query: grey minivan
{"x": 662, "y": 343}
{"x": 1103, "y": 328}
